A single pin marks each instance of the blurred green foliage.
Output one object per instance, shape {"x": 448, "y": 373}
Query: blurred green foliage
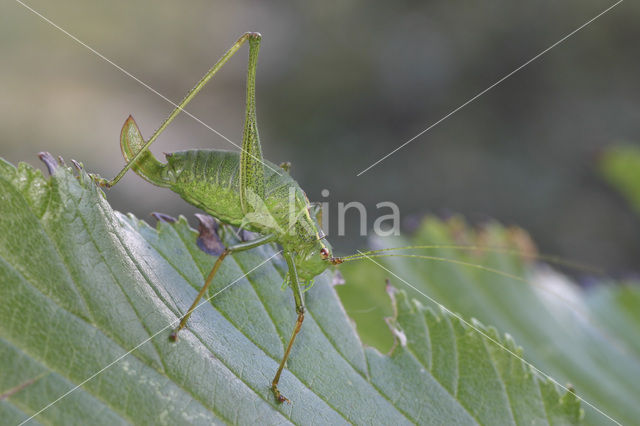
{"x": 620, "y": 165}
{"x": 588, "y": 338}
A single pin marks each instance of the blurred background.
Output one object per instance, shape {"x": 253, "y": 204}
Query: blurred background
{"x": 340, "y": 84}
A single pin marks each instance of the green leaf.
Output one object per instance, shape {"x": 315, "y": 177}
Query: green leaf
{"x": 82, "y": 285}
{"x": 588, "y": 338}
{"x": 620, "y": 165}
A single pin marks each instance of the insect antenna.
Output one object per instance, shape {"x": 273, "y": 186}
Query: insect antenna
{"x": 389, "y": 252}
{"x": 557, "y": 293}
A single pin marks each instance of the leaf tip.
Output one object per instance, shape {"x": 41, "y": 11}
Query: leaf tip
{"x": 164, "y": 218}
{"x": 208, "y": 239}
{"x": 48, "y": 161}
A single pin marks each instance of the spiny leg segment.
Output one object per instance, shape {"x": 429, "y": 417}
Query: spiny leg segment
{"x": 227, "y": 251}
{"x": 251, "y": 36}
{"x": 297, "y": 295}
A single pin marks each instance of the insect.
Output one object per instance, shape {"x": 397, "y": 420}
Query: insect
{"x": 244, "y": 190}
{"x": 240, "y": 189}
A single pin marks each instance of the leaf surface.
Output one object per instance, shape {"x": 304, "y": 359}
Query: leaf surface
{"x": 89, "y": 296}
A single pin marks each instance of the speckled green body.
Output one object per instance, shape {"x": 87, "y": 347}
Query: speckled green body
{"x": 210, "y": 180}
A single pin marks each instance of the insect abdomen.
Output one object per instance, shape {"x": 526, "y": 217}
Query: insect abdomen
{"x": 210, "y": 180}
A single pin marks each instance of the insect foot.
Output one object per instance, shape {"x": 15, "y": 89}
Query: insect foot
{"x": 279, "y": 397}
{"x": 286, "y": 166}
{"x": 100, "y": 181}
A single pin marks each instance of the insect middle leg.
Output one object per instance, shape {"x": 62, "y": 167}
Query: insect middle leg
{"x": 297, "y": 295}
{"x": 227, "y": 251}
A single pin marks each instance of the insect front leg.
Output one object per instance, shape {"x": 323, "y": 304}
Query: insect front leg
{"x": 297, "y": 295}
{"x": 227, "y": 251}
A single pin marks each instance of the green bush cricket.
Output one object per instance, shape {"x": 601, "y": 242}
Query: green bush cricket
{"x": 239, "y": 189}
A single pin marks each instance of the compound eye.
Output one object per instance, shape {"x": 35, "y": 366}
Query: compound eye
{"x": 324, "y": 253}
